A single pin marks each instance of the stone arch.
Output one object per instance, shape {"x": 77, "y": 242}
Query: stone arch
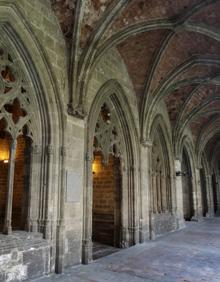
{"x": 46, "y": 129}
{"x": 112, "y": 94}
{"x": 188, "y": 171}
{"x": 162, "y": 203}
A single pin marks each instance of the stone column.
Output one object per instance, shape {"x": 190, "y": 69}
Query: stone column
{"x": 10, "y": 186}
{"x": 87, "y": 228}
{"x": 179, "y": 195}
{"x": 133, "y": 212}
{"x": 145, "y": 148}
{"x": 61, "y": 225}
{"x": 218, "y": 193}
{"x": 49, "y": 212}
{"x": 32, "y": 220}
{"x": 210, "y": 199}
{"x": 198, "y": 195}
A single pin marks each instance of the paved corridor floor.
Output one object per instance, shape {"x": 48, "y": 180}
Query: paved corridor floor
{"x": 192, "y": 254}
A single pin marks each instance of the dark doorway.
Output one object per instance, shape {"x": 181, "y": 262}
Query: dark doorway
{"x": 187, "y": 187}
{"x": 203, "y": 192}
{"x": 106, "y": 219}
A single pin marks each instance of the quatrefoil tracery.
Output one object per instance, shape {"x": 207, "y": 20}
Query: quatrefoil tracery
{"x": 14, "y": 97}
{"x": 106, "y": 139}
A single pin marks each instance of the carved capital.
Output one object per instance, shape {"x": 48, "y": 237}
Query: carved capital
{"x": 50, "y": 149}
{"x": 36, "y": 149}
{"x": 63, "y": 151}
{"x": 88, "y": 157}
{"x": 146, "y": 143}
{"x": 77, "y": 112}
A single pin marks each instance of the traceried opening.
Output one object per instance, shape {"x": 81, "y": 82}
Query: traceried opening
{"x": 106, "y": 169}
{"x": 15, "y": 145}
{"x": 15, "y": 110}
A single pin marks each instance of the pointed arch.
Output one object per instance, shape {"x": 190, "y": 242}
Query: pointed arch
{"x": 162, "y": 193}
{"x": 112, "y": 94}
{"x": 46, "y": 124}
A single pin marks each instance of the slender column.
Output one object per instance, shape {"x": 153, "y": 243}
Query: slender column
{"x": 198, "y": 196}
{"x": 209, "y": 195}
{"x": 218, "y": 193}
{"x": 179, "y": 195}
{"x": 145, "y": 177}
{"x": 48, "y": 218}
{"x": 10, "y": 185}
{"x": 164, "y": 189}
{"x": 87, "y": 232}
{"x": 154, "y": 192}
{"x": 32, "y": 220}
{"x": 133, "y": 214}
{"x": 61, "y": 225}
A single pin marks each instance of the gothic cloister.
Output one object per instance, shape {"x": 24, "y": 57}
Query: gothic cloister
{"x": 109, "y": 128}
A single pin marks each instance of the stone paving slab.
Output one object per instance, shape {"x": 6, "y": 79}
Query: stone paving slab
{"x": 189, "y": 255}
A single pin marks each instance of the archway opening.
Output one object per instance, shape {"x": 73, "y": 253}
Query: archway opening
{"x": 5, "y": 142}
{"x": 20, "y": 176}
{"x": 106, "y": 201}
{"x": 107, "y": 191}
{"x": 203, "y": 193}
{"x": 21, "y": 183}
{"x": 188, "y": 210}
{"x": 162, "y": 219}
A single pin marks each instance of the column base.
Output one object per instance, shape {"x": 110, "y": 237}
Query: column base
{"x": 87, "y": 251}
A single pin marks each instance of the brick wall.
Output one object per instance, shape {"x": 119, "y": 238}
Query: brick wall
{"x": 106, "y": 200}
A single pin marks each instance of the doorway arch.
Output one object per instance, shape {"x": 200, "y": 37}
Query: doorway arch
{"x": 111, "y": 133}
{"x": 187, "y": 184}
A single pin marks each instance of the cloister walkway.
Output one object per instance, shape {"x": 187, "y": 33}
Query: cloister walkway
{"x": 192, "y": 254}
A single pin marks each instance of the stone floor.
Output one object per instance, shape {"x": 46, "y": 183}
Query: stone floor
{"x": 192, "y": 254}
{"x": 100, "y": 250}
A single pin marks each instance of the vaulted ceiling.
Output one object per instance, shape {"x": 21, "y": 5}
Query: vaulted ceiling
{"x": 171, "y": 49}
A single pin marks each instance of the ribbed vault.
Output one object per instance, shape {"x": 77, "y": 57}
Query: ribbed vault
{"x": 171, "y": 50}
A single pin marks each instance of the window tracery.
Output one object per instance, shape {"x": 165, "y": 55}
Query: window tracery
{"x": 106, "y": 137}
{"x": 15, "y": 99}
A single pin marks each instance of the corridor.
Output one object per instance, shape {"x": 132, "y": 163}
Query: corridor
{"x": 189, "y": 255}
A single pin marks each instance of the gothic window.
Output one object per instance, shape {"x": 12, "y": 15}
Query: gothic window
{"x": 15, "y": 139}
{"x": 106, "y": 138}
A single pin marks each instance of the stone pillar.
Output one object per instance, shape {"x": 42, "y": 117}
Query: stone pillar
{"x": 134, "y": 212}
{"x": 210, "y": 199}
{"x": 179, "y": 195}
{"x": 32, "y": 220}
{"x": 61, "y": 225}
{"x": 145, "y": 190}
{"x": 198, "y": 195}
{"x": 218, "y": 193}
{"x": 49, "y": 211}
{"x": 10, "y": 186}
{"x": 87, "y": 228}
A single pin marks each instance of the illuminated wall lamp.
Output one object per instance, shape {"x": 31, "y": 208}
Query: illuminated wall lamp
{"x": 6, "y": 161}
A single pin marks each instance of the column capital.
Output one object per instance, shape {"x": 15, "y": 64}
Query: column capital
{"x": 36, "y": 149}
{"x": 50, "y": 149}
{"x": 146, "y": 143}
{"x": 63, "y": 151}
